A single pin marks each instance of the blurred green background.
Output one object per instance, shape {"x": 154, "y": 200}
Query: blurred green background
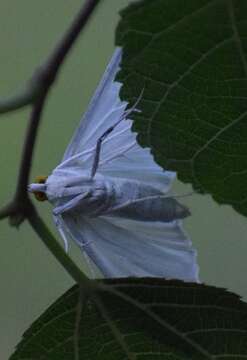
{"x": 30, "y": 278}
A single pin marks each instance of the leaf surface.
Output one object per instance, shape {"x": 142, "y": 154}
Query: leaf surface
{"x": 140, "y": 319}
{"x": 190, "y": 57}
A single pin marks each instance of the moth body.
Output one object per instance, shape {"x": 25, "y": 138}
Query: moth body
{"x": 119, "y": 197}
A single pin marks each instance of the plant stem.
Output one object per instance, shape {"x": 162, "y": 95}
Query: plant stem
{"x": 36, "y": 93}
{"x": 56, "y": 249}
{"x": 45, "y": 75}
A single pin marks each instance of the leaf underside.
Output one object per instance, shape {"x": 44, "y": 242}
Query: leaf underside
{"x": 190, "y": 59}
{"x": 153, "y": 319}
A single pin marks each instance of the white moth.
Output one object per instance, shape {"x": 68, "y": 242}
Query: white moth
{"x": 109, "y": 195}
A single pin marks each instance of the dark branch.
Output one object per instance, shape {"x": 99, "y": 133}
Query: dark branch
{"x": 22, "y": 98}
{"x": 26, "y": 160}
{"x": 43, "y": 78}
{"x": 56, "y": 249}
{"x": 51, "y": 66}
{"x": 7, "y": 210}
{"x": 45, "y": 75}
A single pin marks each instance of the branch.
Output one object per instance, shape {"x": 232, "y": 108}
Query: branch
{"x": 45, "y": 75}
{"x": 36, "y": 93}
{"x": 57, "y": 250}
{"x": 57, "y": 57}
{"x": 20, "y": 99}
{"x": 27, "y": 154}
{"x": 6, "y": 210}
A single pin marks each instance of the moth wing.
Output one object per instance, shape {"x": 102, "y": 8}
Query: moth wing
{"x": 101, "y": 113}
{"x": 122, "y": 248}
{"x": 138, "y": 164}
{"x": 120, "y": 155}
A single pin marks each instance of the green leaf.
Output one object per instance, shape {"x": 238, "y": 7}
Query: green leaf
{"x": 140, "y": 319}
{"x": 191, "y": 59}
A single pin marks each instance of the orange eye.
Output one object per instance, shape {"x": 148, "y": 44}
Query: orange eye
{"x": 40, "y": 196}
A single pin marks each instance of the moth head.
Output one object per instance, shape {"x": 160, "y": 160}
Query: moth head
{"x": 38, "y": 188}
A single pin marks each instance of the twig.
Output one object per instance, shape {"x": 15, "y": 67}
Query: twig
{"x": 25, "y": 165}
{"x": 7, "y": 210}
{"x": 36, "y": 93}
{"x": 43, "y": 78}
{"x": 56, "y": 249}
{"x": 45, "y": 75}
{"x": 22, "y": 98}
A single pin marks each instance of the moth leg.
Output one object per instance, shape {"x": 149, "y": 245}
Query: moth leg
{"x": 70, "y": 204}
{"x": 60, "y": 229}
{"x": 108, "y": 131}
{"x": 98, "y": 148}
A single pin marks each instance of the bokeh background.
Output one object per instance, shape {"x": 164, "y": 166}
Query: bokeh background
{"x": 30, "y": 278}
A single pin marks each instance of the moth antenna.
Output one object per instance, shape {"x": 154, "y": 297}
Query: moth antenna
{"x": 183, "y": 195}
{"x": 133, "y": 107}
{"x": 188, "y": 194}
